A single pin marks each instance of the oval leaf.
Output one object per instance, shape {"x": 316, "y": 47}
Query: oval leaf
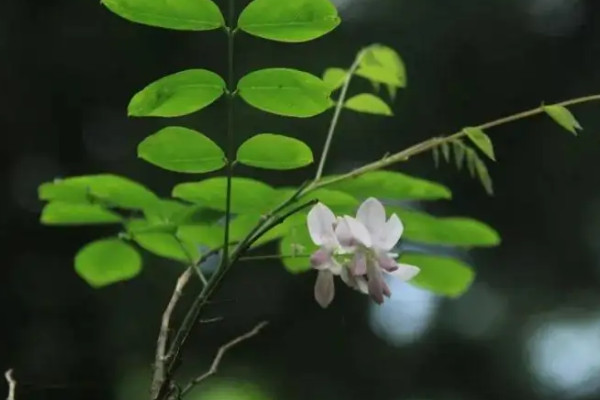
{"x": 178, "y": 94}
{"x": 247, "y": 195}
{"x": 449, "y": 231}
{"x": 368, "y": 103}
{"x": 183, "y": 150}
{"x": 192, "y": 15}
{"x": 289, "y": 21}
{"x": 270, "y": 151}
{"x": 107, "y": 261}
{"x": 168, "y": 246}
{"x": 382, "y": 64}
{"x": 562, "y": 116}
{"x": 334, "y": 78}
{"x": 441, "y": 275}
{"x": 392, "y": 185}
{"x": 210, "y": 236}
{"x": 109, "y": 190}
{"x": 481, "y": 140}
{"x": 62, "y": 213}
{"x": 295, "y": 249}
{"x": 286, "y": 92}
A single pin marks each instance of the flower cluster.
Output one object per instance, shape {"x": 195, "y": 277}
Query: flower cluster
{"x": 356, "y": 249}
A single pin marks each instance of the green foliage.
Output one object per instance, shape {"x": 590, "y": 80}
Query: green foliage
{"x": 368, "y": 103}
{"x": 192, "y": 15}
{"x": 481, "y": 140}
{"x": 167, "y": 245}
{"x": 248, "y": 195}
{"x": 289, "y": 21}
{"x": 562, "y": 116}
{"x": 334, "y": 78}
{"x": 392, "y": 185}
{"x": 286, "y": 92}
{"x": 270, "y": 151}
{"x": 441, "y": 275}
{"x": 382, "y": 64}
{"x": 450, "y": 231}
{"x": 63, "y": 213}
{"x": 182, "y": 150}
{"x": 178, "y": 94}
{"x": 109, "y": 190}
{"x": 294, "y": 248}
{"x": 107, "y": 261}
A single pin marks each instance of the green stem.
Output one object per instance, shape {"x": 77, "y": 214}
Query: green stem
{"x": 336, "y": 114}
{"x": 429, "y": 144}
{"x": 230, "y": 126}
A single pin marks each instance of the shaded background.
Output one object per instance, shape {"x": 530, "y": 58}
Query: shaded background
{"x": 528, "y": 329}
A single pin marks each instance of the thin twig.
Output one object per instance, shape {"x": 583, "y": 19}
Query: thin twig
{"x": 160, "y": 359}
{"x": 272, "y": 257}
{"x": 336, "y": 114}
{"x": 436, "y": 141}
{"x": 219, "y": 356}
{"x": 12, "y": 384}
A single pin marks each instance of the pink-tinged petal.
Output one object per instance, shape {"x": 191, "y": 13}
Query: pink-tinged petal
{"x": 320, "y": 221}
{"x": 355, "y": 282}
{"x": 372, "y": 215}
{"x": 343, "y": 234}
{"x": 324, "y": 288}
{"x": 358, "y": 265}
{"x": 359, "y": 232}
{"x": 375, "y": 284}
{"x": 386, "y": 263}
{"x": 405, "y": 272}
{"x": 320, "y": 259}
{"x": 391, "y": 233}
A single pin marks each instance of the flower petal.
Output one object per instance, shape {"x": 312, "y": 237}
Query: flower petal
{"x": 375, "y": 284}
{"x": 357, "y": 230}
{"x": 320, "y": 221}
{"x": 372, "y": 215}
{"x": 405, "y": 272}
{"x": 343, "y": 234}
{"x": 390, "y": 234}
{"x": 358, "y": 265}
{"x": 324, "y": 288}
{"x": 355, "y": 282}
{"x": 320, "y": 259}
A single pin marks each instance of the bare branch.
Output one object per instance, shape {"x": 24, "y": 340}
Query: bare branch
{"x": 219, "y": 356}
{"x": 161, "y": 346}
{"x": 12, "y": 384}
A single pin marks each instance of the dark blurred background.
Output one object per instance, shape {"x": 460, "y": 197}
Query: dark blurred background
{"x": 528, "y": 329}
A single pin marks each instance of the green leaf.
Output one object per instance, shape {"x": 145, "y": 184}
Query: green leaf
{"x": 338, "y": 201}
{"x": 382, "y": 64}
{"x": 248, "y": 195}
{"x": 368, "y": 103}
{"x": 109, "y": 190}
{"x": 62, "y": 213}
{"x": 182, "y": 150}
{"x": 167, "y": 210}
{"x": 139, "y": 225}
{"x": 289, "y": 21}
{"x": 107, "y": 261}
{"x": 286, "y": 92}
{"x": 192, "y": 15}
{"x": 435, "y": 152}
{"x": 449, "y": 231}
{"x": 445, "y": 151}
{"x": 270, "y": 151}
{"x": 392, "y": 185}
{"x": 472, "y": 158}
{"x": 484, "y": 176}
{"x": 243, "y": 224}
{"x": 562, "y": 116}
{"x": 295, "y": 249}
{"x": 210, "y": 236}
{"x": 481, "y": 140}
{"x": 459, "y": 154}
{"x": 178, "y": 94}
{"x": 441, "y": 275}
{"x": 334, "y": 78}
{"x": 168, "y": 246}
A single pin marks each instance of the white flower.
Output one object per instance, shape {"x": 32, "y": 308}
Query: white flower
{"x": 321, "y": 226}
{"x": 373, "y": 237}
